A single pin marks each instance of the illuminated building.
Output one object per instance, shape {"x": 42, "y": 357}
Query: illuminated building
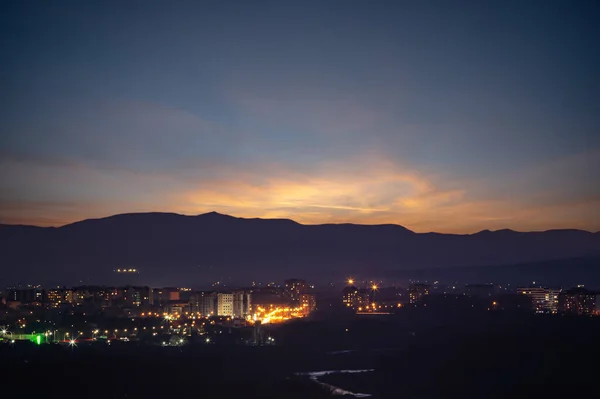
{"x": 59, "y": 296}
{"x": 577, "y": 301}
{"x": 206, "y": 304}
{"x": 162, "y": 296}
{"x": 203, "y": 303}
{"x": 224, "y": 304}
{"x": 416, "y": 292}
{"x": 55, "y": 297}
{"x": 349, "y": 296}
{"x": 308, "y": 303}
{"x": 138, "y": 296}
{"x": 27, "y": 296}
{"x": 242, "y": 304}
{"x": 543, "y": 300}
{"x": 294, "y": 288}
{"x": 78, "y": 296}
{"x": 364, "y": 297}
{"x": 177, "y": 308}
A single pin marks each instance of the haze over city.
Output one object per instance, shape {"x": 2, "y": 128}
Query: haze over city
{"x": 433, "y": 115}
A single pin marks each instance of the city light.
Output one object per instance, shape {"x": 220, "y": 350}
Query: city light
{"x": 350, "y": 281}
{"x": 278, "y": 314}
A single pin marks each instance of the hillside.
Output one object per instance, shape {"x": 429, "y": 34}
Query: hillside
{"x": 176, "y": 249}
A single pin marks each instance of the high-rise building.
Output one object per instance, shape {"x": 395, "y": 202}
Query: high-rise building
{"x": 349, "y": 296}
{"x": 308, "y": 303}
{"x": 294, "y": 288}
{"x": 417, "y": 291}
{"x": 224, "y": 304}
{"x": 206, "y": 302}
{"x": 577, "y": 301}
{"x": 242, "y": 304}
{"x": 543, "y": 300}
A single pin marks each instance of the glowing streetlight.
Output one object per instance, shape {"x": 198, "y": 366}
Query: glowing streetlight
{"x": 350, "y": 281}
{"x": 374, "y": 287}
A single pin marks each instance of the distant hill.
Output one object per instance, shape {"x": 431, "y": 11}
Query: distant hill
{"x": 194, "y": 250}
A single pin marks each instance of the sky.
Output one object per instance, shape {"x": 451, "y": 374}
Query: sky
{"x": 448, "y": 116}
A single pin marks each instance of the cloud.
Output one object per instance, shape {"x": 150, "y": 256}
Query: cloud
{"x": 154, "y": 158}
{"x": 365, "y": 191}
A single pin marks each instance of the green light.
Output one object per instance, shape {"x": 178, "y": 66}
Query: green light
{"x": 38, "y": 339}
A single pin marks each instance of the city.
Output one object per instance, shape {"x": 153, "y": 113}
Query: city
{"x": 299, "y": 199}
{"x": 160, "y": 315}
{"x": 182, "y": 316}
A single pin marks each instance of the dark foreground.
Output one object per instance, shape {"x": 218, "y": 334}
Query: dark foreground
{"x": 484, "y": 356}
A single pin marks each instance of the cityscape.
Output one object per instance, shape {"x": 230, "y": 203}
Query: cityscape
{"x": 299, "y": 199}
{"x": 182, "y": 316}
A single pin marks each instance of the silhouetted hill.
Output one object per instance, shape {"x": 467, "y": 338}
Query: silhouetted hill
{"x": 193, "y": 250}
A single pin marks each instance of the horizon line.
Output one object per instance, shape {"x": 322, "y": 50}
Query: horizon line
{"x": 291, "y": 220}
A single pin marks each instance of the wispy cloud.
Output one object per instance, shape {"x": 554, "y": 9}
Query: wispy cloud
{"x": 172, "y": 160}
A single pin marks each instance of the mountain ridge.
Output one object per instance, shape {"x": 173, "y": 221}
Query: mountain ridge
{"x": 215, "y": 214}
{"x": 173, "y": 249}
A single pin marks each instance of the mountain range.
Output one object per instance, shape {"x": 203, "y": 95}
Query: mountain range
{"x": 173, "y": 249}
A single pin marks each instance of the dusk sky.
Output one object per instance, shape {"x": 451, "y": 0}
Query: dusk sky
{"x": 449, "y": 116}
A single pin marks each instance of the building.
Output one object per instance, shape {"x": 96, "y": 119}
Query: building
{"x": 26, "y": 296}
{"x": 577, "y": 301}
{"x": 162, "y": 296}
{"x": 138, "y": 296}
{"x": 308, "y": 303}
{"x": 79, "y": 295}
{"x": 177, "y": 308}
{"x": 417, "y": 291}
{"x": 207, "y": 304}
{"x": 242, "y": 304}
{"x": 57, "y": 297}
{"x": 224, "y": 304}
{"x": 364, "y": 298}
{"x": 349, "y": 296}
{"x": 543, "y": 300}
{"x": 294, "y": 288}
{"x": 203, "y": 303}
